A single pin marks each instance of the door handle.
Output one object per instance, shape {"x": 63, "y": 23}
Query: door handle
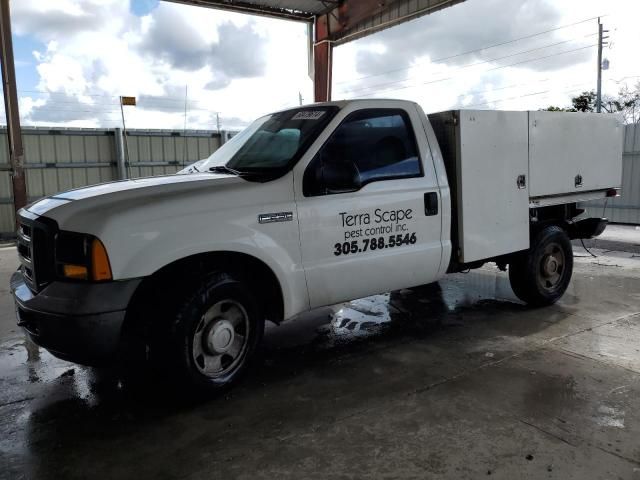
{"x": 431, "y": 204}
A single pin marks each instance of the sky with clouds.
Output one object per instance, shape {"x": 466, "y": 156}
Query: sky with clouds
{"x": 195, "y": 67}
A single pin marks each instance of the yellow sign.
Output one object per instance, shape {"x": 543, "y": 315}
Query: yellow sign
{"x": 128, "y": 101}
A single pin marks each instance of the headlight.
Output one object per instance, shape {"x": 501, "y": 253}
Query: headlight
{"x": 81, "y": 257}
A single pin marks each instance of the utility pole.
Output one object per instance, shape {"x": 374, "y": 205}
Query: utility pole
{"x": 601, "y": 43}
{"x": 300, "y": 98}
{"x": 132, "y": 102}
{"x": 184, "y": 131}
{"x": 120, "y": 159}
{"x": 14, "y": 133}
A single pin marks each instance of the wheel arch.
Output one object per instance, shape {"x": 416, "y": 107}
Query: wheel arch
{"x": 555, "y": 215}
{"x": 179, "y": 275}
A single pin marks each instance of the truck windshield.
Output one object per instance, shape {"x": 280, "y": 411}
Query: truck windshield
{"x": 271, "y": 145}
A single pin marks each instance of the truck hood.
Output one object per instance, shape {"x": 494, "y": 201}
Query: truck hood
{"x": 131, "y": 190}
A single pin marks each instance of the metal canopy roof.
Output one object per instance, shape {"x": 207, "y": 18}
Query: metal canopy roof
{"x": 342, "y": 20}
{"x": 289, "y": 9}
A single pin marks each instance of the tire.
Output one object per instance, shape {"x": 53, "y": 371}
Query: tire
{"x": 541, "y": 275}
{"x": 214, "y": 334}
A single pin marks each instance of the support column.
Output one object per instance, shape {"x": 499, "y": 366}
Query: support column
{"x": 14, "y": 132}
{"x": 322, "y": 60}
{"x": 120, "y": 160}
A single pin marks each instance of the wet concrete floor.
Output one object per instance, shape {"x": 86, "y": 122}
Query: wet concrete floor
{"x": 453, "y": 380}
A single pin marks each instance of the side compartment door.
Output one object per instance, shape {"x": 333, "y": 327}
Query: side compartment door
{"x": 369, "y": 207}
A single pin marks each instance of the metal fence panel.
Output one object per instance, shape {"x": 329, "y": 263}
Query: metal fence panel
{"x": 6, "y": 207}
{"x": 58, "y": 159}
{"x": 4, "y": 150}
{"x": 626, "y": 207}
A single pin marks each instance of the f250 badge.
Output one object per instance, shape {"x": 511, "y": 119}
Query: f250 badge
{"x": 275, "y": 217}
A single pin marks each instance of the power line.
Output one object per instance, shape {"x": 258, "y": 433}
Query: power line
{"x": 72, "y": 110}
{"x": 542, "y": 58}
{"x": 489, "y": 70}
{"x": 115, "y": 97}
{"x": 142, "y": 104}
{"x": 620, "y": 80}
{"x": 517, "y": 97}
{"x": 99, "y": 109}
{"x": 461, "y": 105}
{"x": 506, "y": 87}
{"x": 369, "y": 87}
{"x": 40, "y": 92}
{"x": 181, "y": 100}
{"x": 475, "y": 50}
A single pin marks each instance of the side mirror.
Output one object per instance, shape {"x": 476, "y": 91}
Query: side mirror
{"x": 339, "y": 177}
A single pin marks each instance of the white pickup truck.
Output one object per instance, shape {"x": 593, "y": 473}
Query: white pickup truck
{"x": 307, "y": 207}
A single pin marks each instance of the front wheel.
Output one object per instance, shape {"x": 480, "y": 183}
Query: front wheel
{"x": 215, "y": 334}
{"x": 541, "y": 275}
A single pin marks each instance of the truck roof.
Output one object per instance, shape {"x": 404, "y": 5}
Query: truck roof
{"x": 344, "y": 103}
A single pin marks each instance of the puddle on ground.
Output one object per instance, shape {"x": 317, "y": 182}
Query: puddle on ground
{"x": 27, "y": 371}
{"x": 427, "y": 305}
{"x": 362, "y": 316}
{"x": 609, "y": 417}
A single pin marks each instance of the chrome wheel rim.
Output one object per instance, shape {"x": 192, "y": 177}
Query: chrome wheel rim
{"x": 552, "y": 266}
{"x": 220, "y": 339}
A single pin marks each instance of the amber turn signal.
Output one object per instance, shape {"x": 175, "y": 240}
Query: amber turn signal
{"x": 100, "y": 268}
{"x": 76, "y": 272}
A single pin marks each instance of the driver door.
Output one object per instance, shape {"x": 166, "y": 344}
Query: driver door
{"x": 368, "y": 207}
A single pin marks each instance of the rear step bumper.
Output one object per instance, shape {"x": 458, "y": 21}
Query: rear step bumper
{"x": 587, "y": 228}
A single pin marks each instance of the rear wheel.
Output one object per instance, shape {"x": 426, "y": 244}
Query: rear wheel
{"x": 541, "y": 275}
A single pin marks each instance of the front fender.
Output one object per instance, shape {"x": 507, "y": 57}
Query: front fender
{"x": 142, "y": 253}
{"x": 142, "y": 234}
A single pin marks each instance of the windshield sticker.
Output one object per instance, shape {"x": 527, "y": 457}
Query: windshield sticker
{"x": 308, "y": 115}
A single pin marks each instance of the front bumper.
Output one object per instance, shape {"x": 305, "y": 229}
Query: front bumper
{"x": 79, "y": 322}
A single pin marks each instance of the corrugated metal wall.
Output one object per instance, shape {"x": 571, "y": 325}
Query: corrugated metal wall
{"x": 61, "y": 159}
{"x": 626, "y": 207}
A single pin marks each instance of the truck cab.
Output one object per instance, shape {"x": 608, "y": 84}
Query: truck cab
{"x": 306, "y": 207}
{"x": 370, "y": 204}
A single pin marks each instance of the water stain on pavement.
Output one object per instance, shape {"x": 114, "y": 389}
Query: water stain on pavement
{"x": 332, "y": 364}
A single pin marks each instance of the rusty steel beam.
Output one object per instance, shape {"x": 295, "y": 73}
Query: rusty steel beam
{"x": 357, "y": 18}
{"x": 353, "y": 19}
{"x": 322, "y": 61}
{"x": 351, "y": 13}
{"x": 14, "y": 132}
{"x": 252, "y": 9}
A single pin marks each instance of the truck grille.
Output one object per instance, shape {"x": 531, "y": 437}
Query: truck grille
{"x": 35, "y": 251}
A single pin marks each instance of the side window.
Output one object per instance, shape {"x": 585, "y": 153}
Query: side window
{"x": 368, "y": 146}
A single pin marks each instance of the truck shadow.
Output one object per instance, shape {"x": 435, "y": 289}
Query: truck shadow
{"x": 318, "y": 355}
{"x": 464, "y": 306}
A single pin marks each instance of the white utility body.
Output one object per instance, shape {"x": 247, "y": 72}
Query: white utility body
{"x": 308, "y": 207}
{"x": 559, "y": 157}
